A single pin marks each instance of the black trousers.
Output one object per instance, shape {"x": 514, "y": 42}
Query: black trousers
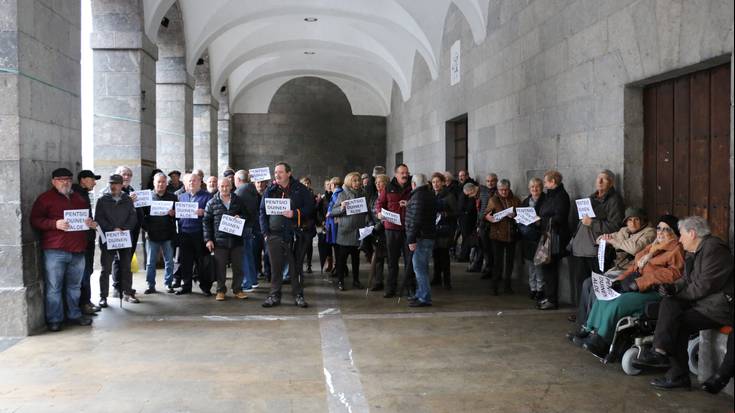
{"x": 550, "y": 273}
{"x": 232, "y": 256}
{"x": 125, "y": 280}
{"x": 85, "y": 292}
{"x": 504, "y": 254}
{"x": 395, "y": 244}
{"x": 191, "y": 251}
{"x": 587, "y": 299}
{"x": 343, "y": 251}
{"x": 281, "y": 252}
{"x": 581, "y": 268}
{"x": 442, "y": 268}
{"x": 726, "y": 368}
{"x": 676, "y": 322}
{"x": 116, "y": 270}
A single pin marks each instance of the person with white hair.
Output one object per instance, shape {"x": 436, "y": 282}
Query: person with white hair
{"x": 420, "y": 235}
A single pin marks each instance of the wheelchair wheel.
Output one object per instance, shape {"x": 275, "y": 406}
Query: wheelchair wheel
{"x": 693, "y": 351}
{"x": 627, "y": 362}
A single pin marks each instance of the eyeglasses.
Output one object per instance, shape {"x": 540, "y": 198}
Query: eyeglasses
{"x": 62, "y": 178}
{"x": 664, "y": 229}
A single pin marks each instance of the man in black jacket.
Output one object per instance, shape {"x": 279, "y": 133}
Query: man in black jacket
{"x": 87, "y": 181}
{"x": 249, "y": 196}
{"x": 161, "y": 230}
{"x": 283, "y": 233}
{"x": 420, "y": 234}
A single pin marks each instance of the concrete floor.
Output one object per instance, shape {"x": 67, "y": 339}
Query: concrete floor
{"x": 346, "y": 352}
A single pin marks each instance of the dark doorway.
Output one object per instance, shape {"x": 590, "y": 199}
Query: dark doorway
{"x": 686, "y": 166}
{"x": 399, "y": 158}
{"x": 456, "y": 144}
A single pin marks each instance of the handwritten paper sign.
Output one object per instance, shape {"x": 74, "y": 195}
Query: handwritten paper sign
{"x": 355, "y": 206}
{"x": 260, "y": 174}
{"x": 601, "y": 287}
{"x": 161, "y": 208}
{"x": 502, "y": 214}
{"x": 76, "y": 218}
{"x": 601, "y": 254}
{"x": 391, "y": 217}
{"x": 584, "y": 207}
{"x": 118, "y": 239}
{"x": 277, "y": 206}
{"x": 101, "y": 234}
{"x": 144, "y": 198}
{"x": 526, "y": 216}
{"x": 455, "y": 64}
{"x": 365, "y": 232}
{"x": 231, "y": 225}
{"x": 187, "y": 210}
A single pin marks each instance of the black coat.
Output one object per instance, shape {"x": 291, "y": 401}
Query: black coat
{"x": 420, "y": 215}
{"x": 249, "y": 197}
{"x": 213, "y": 216}
{"x": 302, "y": 205}
{"x": 160, "y": 228}
{"x": 555, "y": 210}
{"x": 446, "y": 204}
{"x": 530, "y": 234}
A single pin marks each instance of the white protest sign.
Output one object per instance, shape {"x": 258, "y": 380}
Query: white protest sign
{"x": 231, "y": 225}
{"x": 391, "y": 217}
{"x": 502, "y": 214}
{"x": 260, "y": 174}
{"x": 76, "y": 218}
{"x": 161, "y": 208}
{"x": 143, "y": 198}
{"x": 187, "y": 210}
{"x": 601, "y": 287}
{"x": 355, "y": 206}
{"x": 118, "y": 239}
{"x": 601, "y": 255}
{"x": 103, "y": 239}
{"x": 526, "y": 216}
{"x": 277, "y": 206}
{"x": 365, "y": 232}
{"x": 584, "y": 207}
{"x": 438, "y": 218}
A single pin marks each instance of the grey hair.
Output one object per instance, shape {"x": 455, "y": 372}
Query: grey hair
{"x": 469, "y": 187}
{"x": 241, "y": 175}
{"x": 158, "y": 175}
{"x": 419, "y": 179}
{"x": 199, "y": 172}
{"x": 492, "y": 175}
{"x": 610, "y": 175}
{"x": 504, "y": 183}
{"x": 697, "y": 224}
{"x": 120, "y": 169}
{"x": 448, "y": 175}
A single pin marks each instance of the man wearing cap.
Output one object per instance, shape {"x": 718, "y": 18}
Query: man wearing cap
{"x": 175, "y": 183}
{"x": 115, "y": 212}
{"x": 161, "y": 231}
{"x": 63, "y": 250}
{"x": 87, "y": 181}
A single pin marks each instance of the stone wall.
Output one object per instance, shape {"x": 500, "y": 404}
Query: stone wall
{"x": 41, "y": 130}
{"x": 309, "y": 125}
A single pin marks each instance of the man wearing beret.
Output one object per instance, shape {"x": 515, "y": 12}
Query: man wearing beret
{"x": 87, "y": 181}
{"x": 63, "y": 250}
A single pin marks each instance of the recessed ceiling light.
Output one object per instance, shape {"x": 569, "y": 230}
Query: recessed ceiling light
{"x": 310, "y": 19}
{"x": 309, "y": 52}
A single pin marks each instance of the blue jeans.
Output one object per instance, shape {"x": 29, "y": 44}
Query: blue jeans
{"x": 420, "y": 260}
{"x": 152, "y": 248}
{"x": 248, "y": 263}
{"x": 64, "y": 271}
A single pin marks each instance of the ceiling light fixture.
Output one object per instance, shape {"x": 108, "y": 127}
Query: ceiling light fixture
{"x": 309, "y": 52}
{"x": 200, "y": 62}
{"x": 165, "y": 21}
{"x": 310, "y": 19}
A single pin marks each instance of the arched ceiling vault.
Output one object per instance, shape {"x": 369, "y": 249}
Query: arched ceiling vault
{"x": 363, "y": 46}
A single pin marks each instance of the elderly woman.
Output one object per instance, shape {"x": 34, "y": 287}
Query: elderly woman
{"x": 330, "y": 225}
{"x": 530, "y": 236}
{"x": 377, "y": 262}
{"x": 608, "y": 207}
{"x": 348, "y": 226}
{"x": 661, "y": 262}
{"x": 502, "y": 235}
{"x": 554, "y": 214}
{"x": 445, "y": 229}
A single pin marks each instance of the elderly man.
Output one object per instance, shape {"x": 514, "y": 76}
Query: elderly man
{"x": 161, "y": 230}
{"x": 175, "y": 183}
{"x": 115, "y": 212}
{"x": 420, "y": 234}
{"x": 212, "y": 184}
{"x": 283, "y": 233}
{"x": 476, "y": 198}
{"x": 394, "y": 199}
{"x": 63, "y": 250}
{"x": 467, "y": 219}
{"x": 249, "y": 196}
{"x": 87, "y": 181}
{"x": 700, "y": 300}
{"x": 191, "y": 237}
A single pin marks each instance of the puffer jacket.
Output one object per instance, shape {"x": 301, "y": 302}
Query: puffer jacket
{"x": 609, "y": 214}
{"x": 665, "y": 265}
{"x": 348, "y": 225}
{"x": 446, "y": 204}
{"x": 390, "y": 199}
{"x": 420, "y": 215}
{"x": 505, "y": 229}
{"x": 213, "y": 216}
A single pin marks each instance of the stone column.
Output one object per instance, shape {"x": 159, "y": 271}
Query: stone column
{"x": 223, "y": 134}
{"x": 40, "y": 125}
{"x": 174, "y": 93}
{"x": 205, "y": 121}
{"x": 124, "y": 90}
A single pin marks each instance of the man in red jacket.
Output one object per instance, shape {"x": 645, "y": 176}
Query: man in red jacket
{"x": 394, "y": 199}
{"x": 63, "y": 246}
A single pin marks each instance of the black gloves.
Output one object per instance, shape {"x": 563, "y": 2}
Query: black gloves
{"x": 617, "y": 286}
{"x": 627, "y": 285}
{"x": 667, "y": 290}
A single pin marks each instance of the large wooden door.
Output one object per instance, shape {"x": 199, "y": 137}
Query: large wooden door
{"x": 686, "y": 164}
{"x": 456, "y": 144}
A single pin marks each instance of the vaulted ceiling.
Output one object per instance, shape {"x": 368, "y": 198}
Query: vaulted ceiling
{"x": 363, "y": 46}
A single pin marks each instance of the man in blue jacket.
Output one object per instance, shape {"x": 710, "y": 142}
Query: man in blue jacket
{"x": 192, "y": 237}
{"x": 284, "y": 233}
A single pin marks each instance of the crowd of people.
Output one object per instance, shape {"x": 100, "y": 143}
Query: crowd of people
{"x": 417, "y": 219}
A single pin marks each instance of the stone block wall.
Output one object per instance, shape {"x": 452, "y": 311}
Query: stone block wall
{"x": 309, "y": 125}
{"x": 40, "y": 127}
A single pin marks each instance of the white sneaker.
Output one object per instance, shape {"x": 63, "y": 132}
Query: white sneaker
{"x": 256, "y": 285}
{"x": 249, "y": 290}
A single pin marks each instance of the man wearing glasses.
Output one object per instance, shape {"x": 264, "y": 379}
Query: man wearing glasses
{"x": 63, "y": 250}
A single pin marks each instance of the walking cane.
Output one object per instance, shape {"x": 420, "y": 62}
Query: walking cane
{"x": 119, "y": 284}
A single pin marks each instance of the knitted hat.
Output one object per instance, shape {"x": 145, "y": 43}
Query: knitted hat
{"x": 671, "y": 221}
{"x": 632, "y": 212}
